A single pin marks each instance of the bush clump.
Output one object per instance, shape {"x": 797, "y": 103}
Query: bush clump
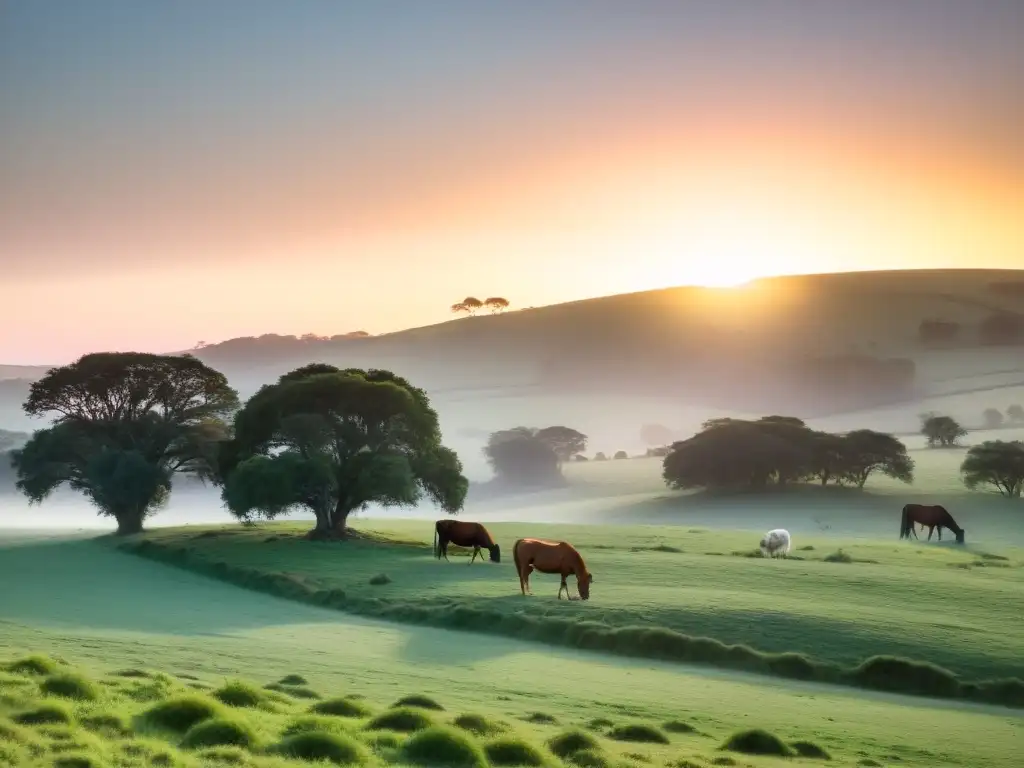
{"x": 588, "y": 758}
{"x": 838, "y": 557}
{"x": 219, "y": 732}
{"x": 293, "y": 680}
{"x": 513, "y": 752}
{"x": 295, "y": 691}
{"x": 79, "y": 760}
{"x": 341, "y": 708}
{"x": 757, "y": 742}
{"x": 890, "y": 673}
{"x": 600, "y": 724}
{"x": 317, "y": 745}
{"x": 477, "y": 724}
{"x": 239, "y": 693}
{"x": 638, "y": 732}
{"x": 107, "y": 722}
{"x": 440, "y": 745}
{"x": 568, "y": 742}
{"x": 403, "y": 720}
{"x": 36, "y": 664}
{"x": 180, "y": 713}
{"x": 223, "y": 756}
{"x": 420, "y": 701}
{"x": 315, "y": 724}
{"x": 811, "y": 750}
{"x": 380, "y": 580}
{"x": 541, "y": 718}
{"x": 70, "y": 685}
{"x": 51, "y": 713}
{"x": 678, "y": 726}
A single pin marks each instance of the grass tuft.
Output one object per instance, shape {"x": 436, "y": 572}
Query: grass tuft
{"x": 403, "y": 720}
{"x": 838, "y": 557}
{"x": 514, "y": 752}
{"x": 569, "y": 742}
{"x": 238, "y": 693}
{"x": 477, "y": 724}
{"x": 641, "y": 733}
{"x": 541, "y": 718}
{"x": 341, "y": 708}
{"x": 588, "y": 758}
{"x": 70, "y": 685}
{"x": 219, "y": 732}
{"x": 293, "y": 680}
{"x": 107, "y": 723}
{"x": 180, "y": 713}
{"x": 52, "y": 712}
{"x": 223, "y": 756}
{"x": 757, "y": 742}
{"x": 678, "y": 726}
{"x": 891, "y": 673}
{"x": 811, "y": 750}
{"x": 440, "y": 745}
{"x": 316, "y": 724}
{"x": 36, "y": 664}
{"x": 295, "y": 691}
{"x": 79, "y": 760}
{"x": 316, "y": 746}
{"x": 419, "y": 701}
{"x": 600, "y": 724}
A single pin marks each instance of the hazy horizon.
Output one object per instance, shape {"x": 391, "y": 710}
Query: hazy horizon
{"x": 176, "y": 173}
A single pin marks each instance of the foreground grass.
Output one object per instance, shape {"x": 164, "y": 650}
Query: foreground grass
{"x": 818, "y": 616}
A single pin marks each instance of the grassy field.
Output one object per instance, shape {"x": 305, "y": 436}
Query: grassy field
{"x": 103, "y": 612}
{"x": 948, "y": 605}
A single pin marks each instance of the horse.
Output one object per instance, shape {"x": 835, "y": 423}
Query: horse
{"x": 930, "y": 517}
{"x": 464, "y": 534}
{"x": 558, "y": 557}
{"x": 776, "y": 541}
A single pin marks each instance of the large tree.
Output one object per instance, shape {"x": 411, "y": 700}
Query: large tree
{"x": 519, "y": 456}
{"x": 997, "y": 463}
{"x": 124, "y": 424}
{"x": 564, "y": 441}
{"x": 942, "y": 431}
{"x": 334, "y": 441}
{"x": 867, "y": 451}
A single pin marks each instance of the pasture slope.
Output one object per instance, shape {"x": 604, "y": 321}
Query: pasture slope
{"x": 103, "y": 611}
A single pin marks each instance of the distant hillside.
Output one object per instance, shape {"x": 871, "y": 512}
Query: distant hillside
{"x": 824, "y": 342}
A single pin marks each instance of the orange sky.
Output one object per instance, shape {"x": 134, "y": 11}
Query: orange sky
{"x": 263, "y": 182}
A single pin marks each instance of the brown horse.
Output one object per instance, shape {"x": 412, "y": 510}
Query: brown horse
{"x": 558, "y": 557}
{"x": 464, "y": 534}
{"x": 930, "y": 517}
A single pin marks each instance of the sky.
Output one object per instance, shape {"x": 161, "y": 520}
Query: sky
{"x": 180, "y": 171}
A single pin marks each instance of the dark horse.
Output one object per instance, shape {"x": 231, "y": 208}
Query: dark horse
{"x": 464, "y": 534}
{"x": 930, "y": 517}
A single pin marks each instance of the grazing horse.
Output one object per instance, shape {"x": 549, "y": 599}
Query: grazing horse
{"x": 776, "y": 542}
{"x": 558, "y": 557}
{"x": 930, "y": 517}
{"x": 464, "y": 534}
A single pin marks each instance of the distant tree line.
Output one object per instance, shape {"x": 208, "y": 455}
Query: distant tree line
{"x": 997, "y": 329}
{"x": 528, "y": 456}
{"x": 471, "y": 305}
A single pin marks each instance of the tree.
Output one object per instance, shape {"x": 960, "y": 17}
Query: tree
{"x": 1015, "y": 414}
{"x": 599, "y": 456}
{"x": 459, "y": 307}
{"x": 942, "y": 430}
{"x": 620, "y": 455}
{"x": 565, "y": 442}
{"x": 335, "y": 441}
{"x": 470, "y": 305}
{"x": 867, "y": 451}
{"x": 937, "y": 331}
{"x": 993, "y": 418}
{"x": 1002, "y": 328}
{"x": 996, "y": 463}
{"x": 655, "y": 435}
{"x": 519, "y": 456}
{"x": 125, "y": 423}
{"x": 496, "y": 304}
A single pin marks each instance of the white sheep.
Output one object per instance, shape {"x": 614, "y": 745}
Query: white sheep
{"x": 775, "y": 542}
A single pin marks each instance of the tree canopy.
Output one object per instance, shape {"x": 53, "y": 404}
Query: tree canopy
{"x": 125, "y": 423}
{"x": 334, "y": 441}
{"x": 778, "y": 450}
{"x": 520, "y": 456}
{"x": 944, "y": 431}
{"x": 995, "y": 463}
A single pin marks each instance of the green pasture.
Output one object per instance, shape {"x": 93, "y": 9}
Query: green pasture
{"x": 956, "y": 607}
{"x": 105, "y": 612}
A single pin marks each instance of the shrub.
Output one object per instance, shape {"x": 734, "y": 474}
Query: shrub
{"x": 219, "y": 732}
{"x": 757, "y": 742}
{"x": 811, "y": 750}
{"x": 477, "y": 724}
{"x": 889, "y": 673}
{"x": 838, "y": 557}
{"x": 403, "y": 720}
{"x": 419, "y": 701}
{"x": 295, "y": 691}
{"x": 444, "y": 746}
{"x": 51, "y": 713}
{"x": 107, "y": 723}
{"x": 239, "y": 693}
{"x": 80, "y": 760}
{"x": 317, "y": 723}
{"x": 70, "y": 685}
{"x": 568, "y": 742}
{"x": 317, "y": 745}
{"x": 588, "y": 758}
{"x": 638, "y": 732}
{"x": 509, "y": 752}
{"x": 36, "y": 664}
{"x": 180, "y": 713}
{"x": 380, "y": 580}
{"x": 293, "y": 680}
{"x": 600, "y": 723}
{"x": 341, "y": 708}
{"x": 541, "y": 718}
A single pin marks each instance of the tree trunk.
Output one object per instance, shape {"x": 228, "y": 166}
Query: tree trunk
{"x": 128, "y": 524}
{"x": 339, "y": 520}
